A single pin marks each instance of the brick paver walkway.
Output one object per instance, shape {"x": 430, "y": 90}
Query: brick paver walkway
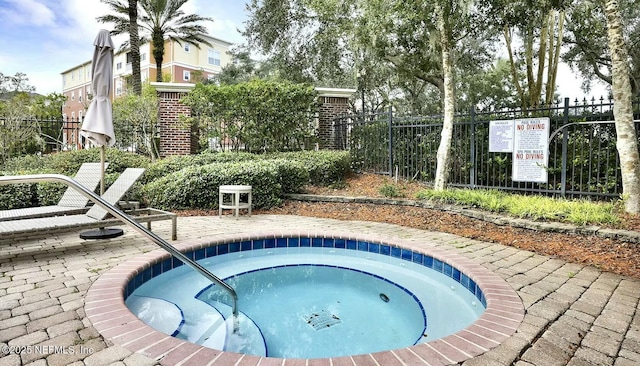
{"x": 575, "y": 315}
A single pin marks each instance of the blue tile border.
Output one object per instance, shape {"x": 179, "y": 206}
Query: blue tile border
{"x": 306, "y": 241}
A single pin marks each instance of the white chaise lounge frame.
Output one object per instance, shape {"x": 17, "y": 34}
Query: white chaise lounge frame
{"x": 95, "y": 217}
{"x": 72, "y": 202}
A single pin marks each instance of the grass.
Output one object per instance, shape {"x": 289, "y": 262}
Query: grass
{"x": 391, "y": 190}
{"x": 579, "y": 212}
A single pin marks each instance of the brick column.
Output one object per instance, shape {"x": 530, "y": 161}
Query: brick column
{"x": 175, "y": 138}
{"x": 333, "y": 103}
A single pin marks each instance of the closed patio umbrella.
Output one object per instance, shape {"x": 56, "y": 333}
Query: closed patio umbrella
{"x": 97, "y": 126}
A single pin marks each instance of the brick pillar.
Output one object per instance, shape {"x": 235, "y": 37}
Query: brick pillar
{"x": 333, "y": 103}
{"x": 175, "y": 138}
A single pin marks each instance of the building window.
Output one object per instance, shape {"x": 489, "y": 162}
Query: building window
{"x": 214, "y": 58}
{"x": 73, "y": 75}
{"x": 80, "y": 96}
{"x": 119, "y": 66}
{"x": 73, "y": 96}
{"x": 129, "y": 58}
{"x": 80, "y": 115}
{"x": 186, "y": 75}
{"x": 143, "y": 57}
{"x": 118, "y": 87}
{"x": 187, "y": 47}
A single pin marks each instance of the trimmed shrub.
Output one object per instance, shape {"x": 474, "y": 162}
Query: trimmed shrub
{"x": 292, "y": 174}
{"x": 325, "y": 167}
{"x": 186, "y": 182}
{"x": 68, "y": 162}
{"x": 257, "y": 116}
{"x": 27, "y": 162}
{"x": 49, "y": 193}
{"x": 168, "y": 165}
{"x": 197, "y": 187}
{"x": 17, "y": 195}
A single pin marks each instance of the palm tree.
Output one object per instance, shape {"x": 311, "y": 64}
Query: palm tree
{"x": 125, "y": 21}
{"x": 157, "y": 19}
{"x": 164, "y": 19}
{"x": 134, "y": 41}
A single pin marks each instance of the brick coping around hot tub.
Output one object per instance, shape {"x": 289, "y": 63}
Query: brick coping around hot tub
{"x": 105, "y": 308}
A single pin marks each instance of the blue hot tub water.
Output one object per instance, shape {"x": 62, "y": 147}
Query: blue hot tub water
{"x": 308, "y": 298}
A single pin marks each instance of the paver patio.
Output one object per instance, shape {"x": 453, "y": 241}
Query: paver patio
{"x": 575, "y": 314}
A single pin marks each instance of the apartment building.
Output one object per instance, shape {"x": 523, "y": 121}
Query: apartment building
{"x": 179, "y": 63}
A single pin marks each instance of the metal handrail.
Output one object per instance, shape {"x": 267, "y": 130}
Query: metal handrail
{"x": 35, "y": 178}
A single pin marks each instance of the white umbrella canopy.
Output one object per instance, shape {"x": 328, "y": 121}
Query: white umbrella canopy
{"x": 97, "y": 126}
{"x": 98, "y": 121}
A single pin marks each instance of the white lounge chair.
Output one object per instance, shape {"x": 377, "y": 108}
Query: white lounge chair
{"x": 71, "y": 202}
{"x": 95, "y": 217}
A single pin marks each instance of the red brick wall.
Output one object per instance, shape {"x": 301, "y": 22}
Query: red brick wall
{"x": 175, "y": 137}
{"x": 330, "y": 108}
{"x": 178, "y": 139}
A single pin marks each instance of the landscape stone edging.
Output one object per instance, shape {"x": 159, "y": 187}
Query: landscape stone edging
{"x": 559, "y": 227}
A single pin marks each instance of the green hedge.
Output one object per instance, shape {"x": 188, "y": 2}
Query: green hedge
{"x": 26, "y": 162}
{"x": 197, "y": 187}
{"x": 68, "y": 162}
{"x": 168, "y": 165}
{"x": 258, "y": 115}
{"x": 17, "y": 195}
{"x": 292, "y": 174}
{"x": 324, "y": 167}
{"x": 186, "y": 182}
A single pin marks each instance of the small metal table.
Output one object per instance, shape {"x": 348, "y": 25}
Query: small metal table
{"x": 235, "y": 203}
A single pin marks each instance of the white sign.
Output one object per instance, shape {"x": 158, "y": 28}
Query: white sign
{"x": 501, "y": 136}
{"x": 530, "y": 150}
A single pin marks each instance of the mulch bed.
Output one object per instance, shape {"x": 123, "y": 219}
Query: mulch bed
{"x": 606, "y": 254}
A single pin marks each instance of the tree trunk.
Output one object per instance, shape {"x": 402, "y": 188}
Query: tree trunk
{"x": 528, "y": 59}
{"x": 554, "y": 58}
{"x": 542, "y": 52}
{"x": 158, "y": 54}
{"x": 626, "y": 142}
{"x": 514, "y": 69}
{"x": 134, "y": 41}
{"x": 444, "y": 150}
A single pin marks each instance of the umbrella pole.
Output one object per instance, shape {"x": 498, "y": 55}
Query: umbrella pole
{"x": 102, "y": 233}
{"x": 102, "y": 159}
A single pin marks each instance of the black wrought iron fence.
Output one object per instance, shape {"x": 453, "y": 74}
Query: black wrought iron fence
{"x": 46, "y": 135}
{"x": 583, "y": 160}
